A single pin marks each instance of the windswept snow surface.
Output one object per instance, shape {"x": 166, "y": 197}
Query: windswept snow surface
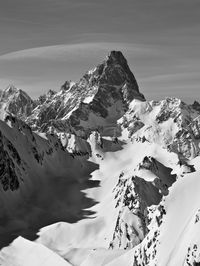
{"x": 23, "y": 252}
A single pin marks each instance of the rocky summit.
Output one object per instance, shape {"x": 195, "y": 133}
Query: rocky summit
{"x": 94, "y": 174}
{"x": 85, "y": 102}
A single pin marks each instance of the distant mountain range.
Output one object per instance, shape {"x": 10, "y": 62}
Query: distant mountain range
{"x": 96, "y": 175}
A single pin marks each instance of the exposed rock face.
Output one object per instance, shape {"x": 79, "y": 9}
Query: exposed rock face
{"x": 114, "y": 71}
{"x": 101, "y": 96}
{"x": 16, "y": 101}
{"x": 196, "y": 106}
{"x": 135, "y": 195}
{"x": 10, "y": 163}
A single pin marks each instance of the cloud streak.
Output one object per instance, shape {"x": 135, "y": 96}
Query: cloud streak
{"x": 57, "y": 51}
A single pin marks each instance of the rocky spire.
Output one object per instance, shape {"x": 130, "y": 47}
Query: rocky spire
{"x": 113, "y": 72}
{"x": 117, "y": 58}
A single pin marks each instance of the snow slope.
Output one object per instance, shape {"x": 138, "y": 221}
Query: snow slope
{"x": 175, "y": 241}
{"x": 23, "y": 252}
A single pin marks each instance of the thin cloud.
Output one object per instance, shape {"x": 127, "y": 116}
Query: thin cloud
{"x": 57, "y": 51}
{"x": 19, "y": 20}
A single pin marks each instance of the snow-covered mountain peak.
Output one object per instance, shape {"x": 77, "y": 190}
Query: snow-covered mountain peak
{"x": 171, "y": 123}
{"x": 12, "y": 91}
{"x": 16, "y": 102}
{"x": 97, "y": 153}
{"x": 100, "y": 98}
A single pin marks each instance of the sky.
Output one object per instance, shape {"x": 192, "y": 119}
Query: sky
{"x": 45, "y": 42}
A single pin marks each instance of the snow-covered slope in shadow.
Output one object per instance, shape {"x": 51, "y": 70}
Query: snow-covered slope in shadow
{"x": 40, "y": 182}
